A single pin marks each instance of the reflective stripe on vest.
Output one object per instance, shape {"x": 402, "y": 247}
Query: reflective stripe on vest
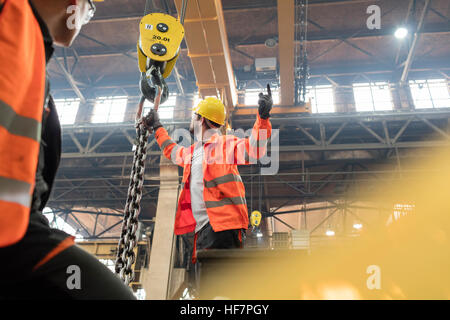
{"x": 18, "y": 125}
{"x": 15, "y": 191}
{"x": 166, "y": 143}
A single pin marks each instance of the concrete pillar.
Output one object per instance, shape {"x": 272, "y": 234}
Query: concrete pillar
{"x": 344, "y": 99}
{"x": 156, "y": 279}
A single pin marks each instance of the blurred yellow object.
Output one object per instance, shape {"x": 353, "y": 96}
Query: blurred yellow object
{"x": 406, "y": 256}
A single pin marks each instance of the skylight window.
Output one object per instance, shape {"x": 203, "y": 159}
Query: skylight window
{"x": 109, "y": 109}
{"x": 430, "y": 93}
{"x": 67, "y": 110}
{"x": 373, "y": 96}
{"x": 165, "y": 110}
{"x": 252, "y": 96}
{"x": 322, "y": 98}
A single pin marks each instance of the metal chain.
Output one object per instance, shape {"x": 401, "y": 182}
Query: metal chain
{"x": 125, "y": 253}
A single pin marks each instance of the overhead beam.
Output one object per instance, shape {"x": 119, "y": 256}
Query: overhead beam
{"x": 207, "y": 43}
{"x": 408, "y": 15}
{"x": 286, "y": 14}
{"x": 128, "y": 50}
{"x": 412, "y": 50}
{"x": 71, "y": 81}
{"x": 228, "y": 9}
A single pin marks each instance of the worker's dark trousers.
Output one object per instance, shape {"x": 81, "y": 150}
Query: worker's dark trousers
{"x": 208, "y": 239}
{"x": 228, "y": 239}
{"x": 71, "y": 274}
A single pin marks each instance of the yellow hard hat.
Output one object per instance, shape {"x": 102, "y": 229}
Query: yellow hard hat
{"x": 212, "y": 109}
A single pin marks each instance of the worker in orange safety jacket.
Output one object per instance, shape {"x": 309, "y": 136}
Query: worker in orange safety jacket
{"x": 37, "y": 261}
{"x": 212, "y": 201}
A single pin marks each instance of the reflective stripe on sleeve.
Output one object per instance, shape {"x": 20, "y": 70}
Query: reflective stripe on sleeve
{"x": 223, "y": 179}
{"x": 166, "y": 143}
{"x": 225, "y": 201}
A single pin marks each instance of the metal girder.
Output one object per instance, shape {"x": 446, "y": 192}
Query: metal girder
{"x": 71, "y": 81}
{"x": 343, "y": 39}
{"x": 330, "y": 129}
{"x": 408, "y": 15}
{"x": 286, "y": 30}
{"x": 373, "y": 133}
{"x": 130, "y": 82}
{"x": 435, "y": 128}
{"x": 238, "y": 44}
{"x": 412, "y": 50}
{"x": 287, "y": 225}
{"x": 126, "y": 54}
{"x": 207, "y": 42}
{"x": 80, "y": 224}
{"x": 242, "y": 8}
{"x": 310, "y": 136}
{"x": 100, "y": 213}
{"x": 324, "y": 220}
{"x": 70, "y": 190}
{"x": 108, "y": 229}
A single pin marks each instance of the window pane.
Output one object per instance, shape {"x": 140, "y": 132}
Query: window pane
{"x": 322, "y": 99}
{"x": 67, "y": 110}
{"x": 372, "y": 96}
{"x": 382, "y": 97}
{"x": 165, "y": 110}
{"x": 252, "y": 96}
{"x": 439, "y": 93}
{"x": 420, "y": 95}
{"x": 363, "y": 97}
{"x": 430, "y": 93}
{"x": 109, "y": 109}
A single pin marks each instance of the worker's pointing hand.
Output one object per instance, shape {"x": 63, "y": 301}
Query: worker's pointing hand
{"x": 265, "y": 103}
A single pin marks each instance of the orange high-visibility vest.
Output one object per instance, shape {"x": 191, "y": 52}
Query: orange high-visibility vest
{"x": 224, "y": 191}
{"x": 22, "y": 86}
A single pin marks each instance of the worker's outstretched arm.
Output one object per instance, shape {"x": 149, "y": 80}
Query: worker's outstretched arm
{"x": 171, "y": 150}
{"x": 250, "y": 149}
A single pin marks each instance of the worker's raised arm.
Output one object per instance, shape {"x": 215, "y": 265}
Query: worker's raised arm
{"x": 250, "y": 149}
{"x": 170, "y": 149}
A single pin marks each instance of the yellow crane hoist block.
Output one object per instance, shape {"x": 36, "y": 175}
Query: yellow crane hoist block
{"x": 255, "y": 218}
{"x": 160, "y": 37}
